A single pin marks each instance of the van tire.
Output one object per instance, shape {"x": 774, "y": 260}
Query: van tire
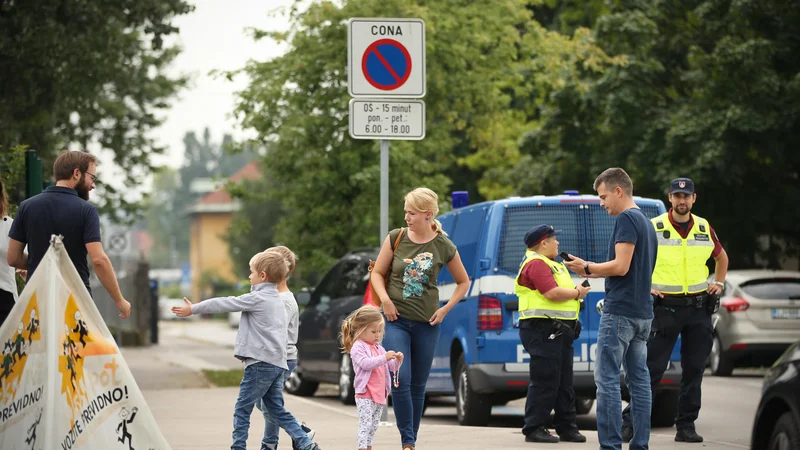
{"x": 583, "y": 405}
{"x": 665, "y": 408}
{"x": 786, "y": 431}
{"x": 347, "y": 392}
{"x": 296, "y": 384}
{"x": 472, "y": 408}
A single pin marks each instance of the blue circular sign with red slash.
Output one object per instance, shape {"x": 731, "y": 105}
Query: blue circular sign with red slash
{"x": 386, "y": 64}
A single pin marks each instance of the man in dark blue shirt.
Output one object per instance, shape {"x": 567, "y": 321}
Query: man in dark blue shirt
{"x": 64, "y": 210}
{"x": 627, "y": 312}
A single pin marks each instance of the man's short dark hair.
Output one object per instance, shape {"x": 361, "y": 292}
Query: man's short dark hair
{"x": 613, "y": 178}
{"x": 68, "y": 161}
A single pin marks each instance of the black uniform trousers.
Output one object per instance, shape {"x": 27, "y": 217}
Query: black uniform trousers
{"x": 6, "y": 304}
{"x": 550, "y": 385}
{"x": 694, "y": 326}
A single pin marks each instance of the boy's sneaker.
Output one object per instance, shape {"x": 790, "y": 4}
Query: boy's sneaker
{"x": 314, "y": 446}
{"x": 311, "y": 433}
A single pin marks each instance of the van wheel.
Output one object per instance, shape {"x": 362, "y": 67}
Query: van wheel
{"x": 721, "y": 366}
{"x": 347, "y": 393}
{"x": 297, "y": 385}
{"x": 583, "y": 406}
{"x": 786, "y": 434}
{"x": 665, "y": 408}
{"x": 472, "y": 408}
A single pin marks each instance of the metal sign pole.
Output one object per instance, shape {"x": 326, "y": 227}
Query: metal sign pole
{"x": 384, "y": 230}
{"x": 384, "y": 190}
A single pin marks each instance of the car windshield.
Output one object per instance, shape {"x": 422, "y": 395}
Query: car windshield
{"x": 774, "y": 288}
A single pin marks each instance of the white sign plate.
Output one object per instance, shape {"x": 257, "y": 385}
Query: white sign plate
{"x": 386, "y": 58}
{"x": 387, "y": 119}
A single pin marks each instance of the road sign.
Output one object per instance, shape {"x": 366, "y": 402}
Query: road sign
{"x": 386, "y": 58}
{"x": 387, "y": 119}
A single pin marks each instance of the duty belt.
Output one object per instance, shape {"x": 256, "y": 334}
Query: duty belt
{"x": 697, "y": 300}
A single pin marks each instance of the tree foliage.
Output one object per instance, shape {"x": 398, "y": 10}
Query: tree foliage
{"x": 711, "y": 91}
{"x": 489, "y": 68}
{"x": 169, "y": 207}
{"x": 90, "y": 74}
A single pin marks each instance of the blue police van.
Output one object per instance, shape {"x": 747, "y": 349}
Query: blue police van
{"x": 479, "y": 357}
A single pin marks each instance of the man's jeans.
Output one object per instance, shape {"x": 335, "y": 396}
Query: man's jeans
{"x": 622, "y": 341}
{"x": 417, "y": 341}
{"x": 271, "y": 427}
{"x": 263, "y": 382}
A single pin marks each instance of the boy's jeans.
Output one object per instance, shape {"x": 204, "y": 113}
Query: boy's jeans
{"x": 622, "y": 341}
{"x": 263, "y": 381}
{"x": 271, "y": 427}
{"x": 417, "y": 341}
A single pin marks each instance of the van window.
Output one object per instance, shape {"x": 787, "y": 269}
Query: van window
{"x": 518, "y": 220}
{"x": 466, "y": 235}
{"x": 601, "y": 225}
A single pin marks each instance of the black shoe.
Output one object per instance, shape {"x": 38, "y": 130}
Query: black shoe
{"x": 688, "y": 435}
{"x": 572, "y": 436}
{"x": 627, "y": 434}
{"x": 541, "y": 435}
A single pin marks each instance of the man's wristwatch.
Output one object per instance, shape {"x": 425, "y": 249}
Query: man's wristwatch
{"x": 586, "y": 269}
{"x": 720, "y": 284}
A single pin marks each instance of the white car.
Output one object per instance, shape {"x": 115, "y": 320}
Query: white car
{"x": 758, "y": 319}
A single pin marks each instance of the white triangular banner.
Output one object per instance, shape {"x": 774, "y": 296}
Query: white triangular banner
{"x": 64, "y": 384}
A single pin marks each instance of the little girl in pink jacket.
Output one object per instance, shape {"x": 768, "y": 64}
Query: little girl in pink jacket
{"x": 362, "y": 332}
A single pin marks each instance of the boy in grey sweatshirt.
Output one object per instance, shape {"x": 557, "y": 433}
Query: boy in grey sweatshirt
{"x": 261, "y": 343}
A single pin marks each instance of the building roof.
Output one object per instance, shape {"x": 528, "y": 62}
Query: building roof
{"x": 220, "y": 200}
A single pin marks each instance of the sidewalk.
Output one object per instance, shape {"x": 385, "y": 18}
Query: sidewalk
{"x": 199, "y": 419}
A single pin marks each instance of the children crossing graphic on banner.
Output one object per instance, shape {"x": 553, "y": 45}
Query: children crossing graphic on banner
{"x": 63, "y": 381}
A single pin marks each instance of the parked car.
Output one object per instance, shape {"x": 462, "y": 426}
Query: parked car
{"x": 479, "y": 357}
{"x": 777, "y": 423}
{"x": 758, "y": 319}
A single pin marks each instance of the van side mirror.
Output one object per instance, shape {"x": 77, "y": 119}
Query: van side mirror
{"x": 303, "y": 297}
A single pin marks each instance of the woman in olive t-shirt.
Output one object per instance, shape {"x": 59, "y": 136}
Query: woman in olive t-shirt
{"x": 411, "y": 302}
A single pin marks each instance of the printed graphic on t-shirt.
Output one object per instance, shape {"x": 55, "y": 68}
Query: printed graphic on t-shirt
{"x": 414, "y": 275}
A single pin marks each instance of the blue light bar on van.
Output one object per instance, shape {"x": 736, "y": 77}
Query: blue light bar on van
{"x": 571, "y": 193}
{"x": 460, "y": 199}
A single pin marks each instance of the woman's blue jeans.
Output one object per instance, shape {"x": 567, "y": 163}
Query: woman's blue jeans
{"x": 417, "y": 341}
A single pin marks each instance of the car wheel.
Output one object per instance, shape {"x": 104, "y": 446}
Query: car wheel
{"x": 472, "y": 408}
{"x": 786, "y": 434}
{"x": 347, "y": 393}
{"x": 721, "y": 366}
{"x": 297, "y": 385}
{"x": 583, "y": 405}
{"x": 665, "y": 408}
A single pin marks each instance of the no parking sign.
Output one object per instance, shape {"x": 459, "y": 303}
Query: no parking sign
{"x": 386, "y": 58}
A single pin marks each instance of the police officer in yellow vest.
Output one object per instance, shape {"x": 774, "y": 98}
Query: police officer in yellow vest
{"x": 549, "y": 303}
{"x": 684, "y": 302}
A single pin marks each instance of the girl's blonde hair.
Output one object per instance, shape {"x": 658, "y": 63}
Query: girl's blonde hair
{"x": 356, "y": 323}
{"x": 423, "y": 200}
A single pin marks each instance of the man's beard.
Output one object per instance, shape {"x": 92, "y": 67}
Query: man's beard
{"x": 683, "y": 210}
{"x": 83, "y": 191}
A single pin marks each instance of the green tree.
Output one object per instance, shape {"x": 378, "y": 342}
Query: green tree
{"x": 253, "y": 226}
{"x": 88, "y": 73}
{"x": 485, "y": 62}
{"x": 711, "y": 91}
{"x": 169, "y": 208}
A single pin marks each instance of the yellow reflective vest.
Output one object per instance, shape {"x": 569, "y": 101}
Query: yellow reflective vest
{"x": 681, "y": 263}
{"x": 532, "y": 304}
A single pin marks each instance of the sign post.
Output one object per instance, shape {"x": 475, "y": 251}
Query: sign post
{"x": 386, "y": 77}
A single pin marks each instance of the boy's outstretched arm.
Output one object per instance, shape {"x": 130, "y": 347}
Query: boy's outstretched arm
{"x": 183, "y": 310}
{"x": 246, "y": 302}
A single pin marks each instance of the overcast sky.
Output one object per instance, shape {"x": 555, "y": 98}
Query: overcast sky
{"x": 214, "y": 37}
